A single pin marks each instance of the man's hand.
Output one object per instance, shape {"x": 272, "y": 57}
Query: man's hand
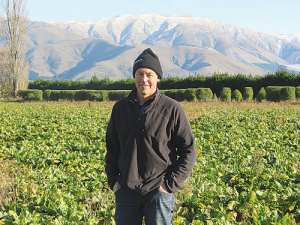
{"x": 117, "y": 186}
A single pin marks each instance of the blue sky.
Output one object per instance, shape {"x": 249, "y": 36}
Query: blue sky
{"x": 268, "y": 16}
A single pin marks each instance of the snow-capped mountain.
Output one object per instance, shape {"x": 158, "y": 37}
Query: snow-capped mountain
{"x": 294, "y": 38}
{"x": 185, "y": 45}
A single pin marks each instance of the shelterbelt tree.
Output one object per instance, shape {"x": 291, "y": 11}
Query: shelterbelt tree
{"x": 13, "y": 28}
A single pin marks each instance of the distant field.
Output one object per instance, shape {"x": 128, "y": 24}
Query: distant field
{"x": 247, "y": 169}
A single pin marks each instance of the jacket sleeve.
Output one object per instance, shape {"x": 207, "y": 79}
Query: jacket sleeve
{"x": 186, "y": 152}
{"x": 112, "y": 152}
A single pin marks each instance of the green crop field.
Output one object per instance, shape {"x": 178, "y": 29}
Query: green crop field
{"x": 52, "y": 165}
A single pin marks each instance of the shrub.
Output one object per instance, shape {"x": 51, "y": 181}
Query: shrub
{"x": 31, "y": 95}
{"x": 67, "y": 95}
{"x": 189, "y": 95}
{"x": 204, "y": 94}
{"x": 273, "y": 93}
{"x": 22, "y": 93}
{"x": 78, "y": 95}
{"x": 46, "y": 94}
{"x": 298, "y": 92}
{"x": 226, "y": 94}
{"x": 185, "y": 94}
{"x": 81, "y": 95}
{"x": 179, "y": 95}
{"x": 287, "y": 93}
{"x": 97, "y": 95}
{"x": 169, "y": 93}
{"x": 237, "y": 95}
{"x": 248, "y": 93}
{"x": 116, "y": 95}
{"x": 261, "y": 94}
{"x": 91, "y": 95}
{"x": 55, "y": 95}
{"x": 104, "y": 95}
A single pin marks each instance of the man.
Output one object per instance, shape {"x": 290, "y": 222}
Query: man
{"x": 150, "y": 148}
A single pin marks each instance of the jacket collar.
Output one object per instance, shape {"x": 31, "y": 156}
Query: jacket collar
{"x": 133, "y": 93}
{"x": 132, "y": 98}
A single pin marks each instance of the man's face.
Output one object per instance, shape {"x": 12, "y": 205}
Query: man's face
{"x": 146, "y": 82}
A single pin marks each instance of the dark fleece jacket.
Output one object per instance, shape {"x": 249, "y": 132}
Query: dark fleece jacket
{"x": 146, "y": 151}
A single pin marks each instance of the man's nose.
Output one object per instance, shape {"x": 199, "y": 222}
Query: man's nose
{"x": 145, "y": 78}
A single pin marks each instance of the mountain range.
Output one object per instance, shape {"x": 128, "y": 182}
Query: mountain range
{"x": 75, "y": 50}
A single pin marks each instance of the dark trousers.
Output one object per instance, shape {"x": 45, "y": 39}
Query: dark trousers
{"x": 156, "y": 208}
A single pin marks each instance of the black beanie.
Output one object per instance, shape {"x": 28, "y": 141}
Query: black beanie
{"x": 148, "y": 59}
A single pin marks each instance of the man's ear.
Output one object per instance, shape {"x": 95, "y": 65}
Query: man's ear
{"x": 158, "y": 78}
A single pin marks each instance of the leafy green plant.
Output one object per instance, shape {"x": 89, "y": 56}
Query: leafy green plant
{"x": 52, "y": 157}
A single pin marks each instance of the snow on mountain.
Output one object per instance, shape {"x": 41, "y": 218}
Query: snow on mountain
{"x": 293, "y": 38}
{"x": 171, "y": 31}
{"x": 210, "y": 43}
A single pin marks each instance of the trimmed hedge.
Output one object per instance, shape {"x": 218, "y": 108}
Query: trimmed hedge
{"x": 31, "y": 95}
{"x": 116, "y": 95}
{"x": 68, "y": 94}
{"x": 273, "y": 93}
{"x": 248, "y": 93}
{"x": 91, "y": 95}
{"x": 181, "y": 94}
{"x": 169, "y": 93}
{"x": 298, "y": 92}
{"x": 46, "y": 94}
{"x": 82, "y": 95}
{"x": 287, "y": 93}
{"x": 237, "y": 95}
{"x": 226, "y": 94}
{"x": 261, "y": 94}
{"x": 215, "y": 82}
{"x": 190, "y": 94}
{"x": 280, "y": 93}
{"x": 97, "y": 95}
{"x": 55, "y": 95}
{"x": 204, "y": 94}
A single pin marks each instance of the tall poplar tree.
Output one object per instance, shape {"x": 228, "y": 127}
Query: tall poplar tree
{"x": 5, "y": 86}
{"x": 13, "y": 28}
